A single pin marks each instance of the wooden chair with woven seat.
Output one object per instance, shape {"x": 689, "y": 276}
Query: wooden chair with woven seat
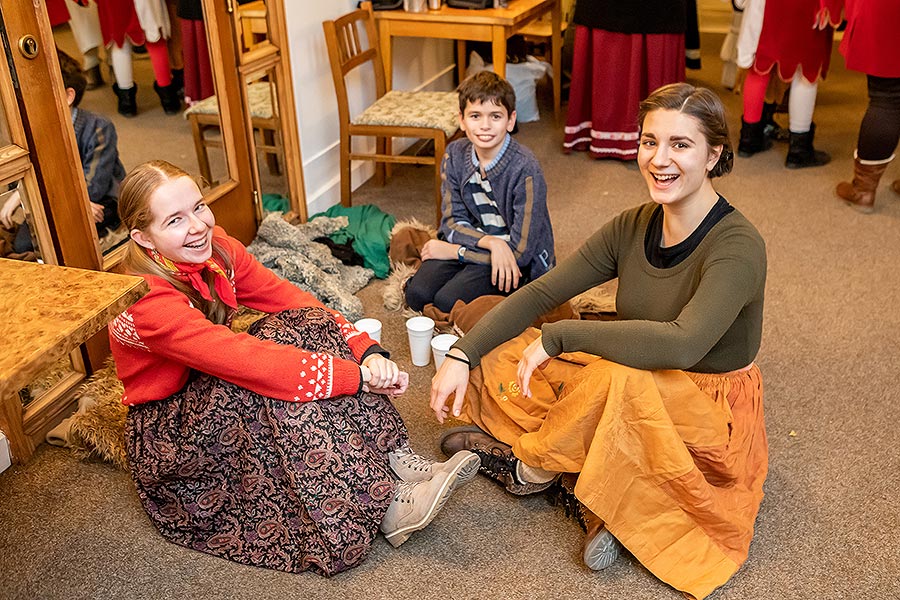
{"x": 204, "y": 119}
{"x": 421, "y": 115}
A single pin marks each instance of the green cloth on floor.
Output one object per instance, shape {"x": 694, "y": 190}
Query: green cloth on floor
{"x": 369, "y": 233}
{"x": 275, "y": 203}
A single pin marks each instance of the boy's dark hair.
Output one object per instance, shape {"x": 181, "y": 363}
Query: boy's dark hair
{"x": 487, "y": 86}
{"x": 72, "y": 75}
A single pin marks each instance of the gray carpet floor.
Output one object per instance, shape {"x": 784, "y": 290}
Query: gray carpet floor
{"x": 828, "y": 527}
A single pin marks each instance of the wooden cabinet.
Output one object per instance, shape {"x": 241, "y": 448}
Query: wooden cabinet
{"x": 41, "y": 178}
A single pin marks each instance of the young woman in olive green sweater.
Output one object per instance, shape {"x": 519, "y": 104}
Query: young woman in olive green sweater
{"x": 660, "y": 411}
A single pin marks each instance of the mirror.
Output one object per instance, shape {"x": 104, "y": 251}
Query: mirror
{"x": 253, "y": 24}
{"x": 5, "y": 139}
{"x": 265, "y": 118}
{"x": 178, "y": 122}
{"x": 20, "y": 231}
{"x": 65, "y": 371}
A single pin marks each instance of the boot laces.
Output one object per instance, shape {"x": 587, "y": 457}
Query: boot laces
{"x": 414, "y": 461}
{"x": 404, "y": 491}
{"x": 496, "y": 463}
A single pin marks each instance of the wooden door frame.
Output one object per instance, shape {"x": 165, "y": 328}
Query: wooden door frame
{"x": 48, "y": 129}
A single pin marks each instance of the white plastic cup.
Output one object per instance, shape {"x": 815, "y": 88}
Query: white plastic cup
{"x": 420, "y": 331}
{"x": 439, "y": 346}
{"x": 371, "y": 327}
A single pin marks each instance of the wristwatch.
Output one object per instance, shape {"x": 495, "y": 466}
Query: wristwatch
{"x": 461, "y": 254}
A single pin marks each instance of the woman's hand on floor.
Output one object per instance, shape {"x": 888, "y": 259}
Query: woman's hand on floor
{"x": 451, "y": 379}
{"x": 533, "y": 357}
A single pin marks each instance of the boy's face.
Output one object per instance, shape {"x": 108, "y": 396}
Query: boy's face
{"x": 486, "y": 125}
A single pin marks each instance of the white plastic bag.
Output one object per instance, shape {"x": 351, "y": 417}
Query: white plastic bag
{"x": 523, "y": 77}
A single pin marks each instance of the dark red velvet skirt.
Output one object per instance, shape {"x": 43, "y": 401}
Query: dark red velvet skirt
{"x": 611, "y": 74}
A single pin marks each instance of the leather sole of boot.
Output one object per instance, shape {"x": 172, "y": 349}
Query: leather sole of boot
{"x": 398, "y": 537}
{"x": 601, "y": 551}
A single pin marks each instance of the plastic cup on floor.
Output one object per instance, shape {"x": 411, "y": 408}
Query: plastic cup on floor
{"x": 370, "y": 326}
{"x": 439, "y": 346}
{"x": 420, "y": 331}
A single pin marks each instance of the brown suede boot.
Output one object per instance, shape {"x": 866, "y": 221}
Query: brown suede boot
{"x": 860, "y": 193}
{"x": 895, "y": 187}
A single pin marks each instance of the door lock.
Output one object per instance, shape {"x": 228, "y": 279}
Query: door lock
{"x": 28, "y": 46}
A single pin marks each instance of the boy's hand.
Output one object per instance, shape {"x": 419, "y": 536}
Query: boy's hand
{"x": 439, "y": 250}
{"x": 9, "y": 209}
{"x": 504, "y": 270}
{"x": 97, "y": 211}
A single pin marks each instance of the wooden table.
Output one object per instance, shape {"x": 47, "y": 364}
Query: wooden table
{"x": 493, "y": 25}
{"x": 47, "y": 311}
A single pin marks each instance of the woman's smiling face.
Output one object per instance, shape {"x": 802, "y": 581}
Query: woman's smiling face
{"x": 674, "y": 156}
{"x": 182, "y": 225}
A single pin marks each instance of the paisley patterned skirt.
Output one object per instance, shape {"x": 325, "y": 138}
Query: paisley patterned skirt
{"x": 281, "y": 485}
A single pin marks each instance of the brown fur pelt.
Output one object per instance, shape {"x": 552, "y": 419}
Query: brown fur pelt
{"x": 98, "y": 431}
{"x": 394, "y": 298}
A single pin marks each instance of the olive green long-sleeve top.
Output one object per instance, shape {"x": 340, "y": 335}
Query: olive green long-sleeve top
{"x": 703, "y": 314}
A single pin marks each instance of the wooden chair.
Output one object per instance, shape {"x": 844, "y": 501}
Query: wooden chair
{"x": 422, "y": 115}
{"x": 205, "y": 124}
{"x": 540, "y": 31}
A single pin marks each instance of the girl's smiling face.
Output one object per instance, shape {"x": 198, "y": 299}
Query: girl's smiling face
{"x": 182, "y": 225}
{"x": 674, "y": 157}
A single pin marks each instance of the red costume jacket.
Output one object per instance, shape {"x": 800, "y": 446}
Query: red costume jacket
{"x": 871, "y": 42}
{"x": 162, "y": 337}
{"x": 797, "y": 32}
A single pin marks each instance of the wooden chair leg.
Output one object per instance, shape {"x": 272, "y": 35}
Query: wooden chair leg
{"x": 388, "y": 167}
{"x": 345, "y": 170}
{"x": 381, "y": 144}
{"x": 198, "y": 131}
{"x": 268, "y": 136}
{"x": 440, "y": 143}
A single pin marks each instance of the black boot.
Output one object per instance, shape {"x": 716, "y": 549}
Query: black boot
{"x": 773, "y": 130}
{"x": 801, "y": 153}
{"x": 94, "y": 77}
{"x": 753, "y": 138}
{"x": 127, "y": 100}
{"x": 168, "y": 97}
{"x": 178, "y": 82}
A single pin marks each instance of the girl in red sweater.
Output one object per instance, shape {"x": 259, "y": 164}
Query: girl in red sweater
{"x": 278, "y": 447}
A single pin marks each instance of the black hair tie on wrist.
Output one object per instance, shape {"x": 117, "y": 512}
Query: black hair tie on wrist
{"x": 459, "y": 358}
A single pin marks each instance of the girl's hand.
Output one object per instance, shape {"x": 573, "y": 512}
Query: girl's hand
{"x": 384, "y": 373}
{"x": 451, "y": 379}
{"x": 402, "y": 384}
{"x": 534, "y": 357}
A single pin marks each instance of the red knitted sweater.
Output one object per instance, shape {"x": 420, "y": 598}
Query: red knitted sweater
{"x": 161, "y": 338}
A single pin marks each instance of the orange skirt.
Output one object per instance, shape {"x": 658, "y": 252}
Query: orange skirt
{"x": 673, "y": 462}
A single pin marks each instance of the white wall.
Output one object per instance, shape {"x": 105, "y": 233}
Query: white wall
{"x": 418, "y": 64}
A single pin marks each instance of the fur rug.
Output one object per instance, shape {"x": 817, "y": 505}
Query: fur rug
{"x": 97, "y": 429}
{"x": 289, "y": 250}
